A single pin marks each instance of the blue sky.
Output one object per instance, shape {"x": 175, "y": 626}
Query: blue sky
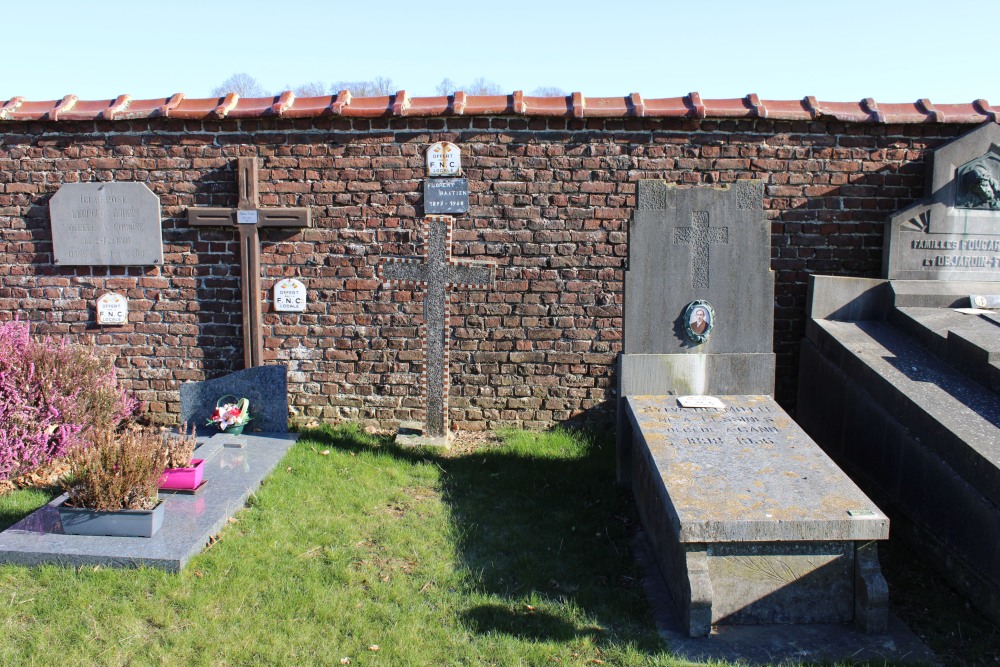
{"x": 846, "y": 50}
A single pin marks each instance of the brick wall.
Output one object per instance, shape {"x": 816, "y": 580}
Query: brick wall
{"x": 550, "y": 200}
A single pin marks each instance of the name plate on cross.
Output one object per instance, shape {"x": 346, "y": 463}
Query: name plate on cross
{"x": 436, "y": 273}
{"x": 446, "y": 195}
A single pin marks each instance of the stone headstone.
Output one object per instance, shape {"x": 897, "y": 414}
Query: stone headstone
{"x": 266, "y": 387}
{"x": 446, "y": 195}
{"x": 112, "y": 308}
{"x": 954, "y": 232}
{"x": 700, "y": 252}
{"x": 106, "y": 224}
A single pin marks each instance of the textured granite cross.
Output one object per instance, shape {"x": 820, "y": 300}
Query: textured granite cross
{"x": 435, "y": 275}
{"x": 247, "y": 217}
{"x": 700, "y": 235}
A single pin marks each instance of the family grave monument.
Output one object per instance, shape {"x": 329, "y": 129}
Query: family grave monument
{"x": 749, "y": 520}
{"x": 899, "y": 377}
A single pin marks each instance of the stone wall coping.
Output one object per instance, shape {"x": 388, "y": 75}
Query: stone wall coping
{"x": 573, "y": 105}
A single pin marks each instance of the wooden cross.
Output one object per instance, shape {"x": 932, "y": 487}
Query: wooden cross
{"x": 248, "y": 217}
{"x": 436, "y": 274}
{"x": 701, "y": 236}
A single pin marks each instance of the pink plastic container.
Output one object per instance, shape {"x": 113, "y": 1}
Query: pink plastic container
{"x": 180, "y": 479}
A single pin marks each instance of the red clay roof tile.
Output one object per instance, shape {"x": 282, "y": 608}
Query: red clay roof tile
{"x": 192, "y": 109}
{"x": 63, "y": 107}
{"x": 667, "y": 107}
{"x": 401, "y": 103}
{"x": 693, "y": 100}
{"x": 123, "y": 107}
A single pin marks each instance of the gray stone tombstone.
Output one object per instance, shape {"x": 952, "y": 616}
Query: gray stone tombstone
{"x": 749, "y": 520}
{"x": 954, "y": 233}
{"x": 266, "y": 387}
{"x": 106, "y": 224}
{"x": 699, "y": 244}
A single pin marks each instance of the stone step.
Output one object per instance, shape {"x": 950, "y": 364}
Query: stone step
{"x": 949, "y": 413}
{"x": 969, "y": 342}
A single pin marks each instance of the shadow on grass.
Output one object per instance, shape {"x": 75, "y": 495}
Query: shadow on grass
{"x": 542, "y": 532}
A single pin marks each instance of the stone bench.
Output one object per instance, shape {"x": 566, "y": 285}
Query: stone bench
{"x": 750, "y": 521}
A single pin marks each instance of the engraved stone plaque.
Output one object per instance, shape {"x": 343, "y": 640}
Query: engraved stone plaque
{"x": 444, "y": 159}
{"x": 106, "y": 224}
{"x": 954, "y": 232}
{"x": 289, "y": 296}
{"x": 112, "y": 308}
{"x": 446, "y": 195}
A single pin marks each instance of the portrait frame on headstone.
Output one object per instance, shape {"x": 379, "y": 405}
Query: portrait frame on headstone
{"x": 699, "y": 320}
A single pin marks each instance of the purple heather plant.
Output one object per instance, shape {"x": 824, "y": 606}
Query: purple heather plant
{"x": 51, "y": 395}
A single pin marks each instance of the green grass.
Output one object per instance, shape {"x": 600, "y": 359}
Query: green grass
{"x": 514, "y": 554}
{"x": 17, "y": 504}
{"x": 511, "y": 553}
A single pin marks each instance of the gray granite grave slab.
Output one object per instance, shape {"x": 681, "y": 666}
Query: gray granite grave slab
{"x": 106, "y": 224}
{"x": 750, "y": 521}
{"x": 953, "y": 233}
{"x": 266, "y": 387}
{"x": 437, "y": 273}
{"x": 190, "y": 520}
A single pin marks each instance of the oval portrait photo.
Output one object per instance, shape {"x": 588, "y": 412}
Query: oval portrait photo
{"x": 699, "y": 318}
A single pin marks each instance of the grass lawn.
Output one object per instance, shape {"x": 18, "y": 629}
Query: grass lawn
{"x": 510, "y": 554}
{"x": 357, "y": 552}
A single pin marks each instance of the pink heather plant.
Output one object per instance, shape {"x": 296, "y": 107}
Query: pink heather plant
{"x": 51, "y": 395}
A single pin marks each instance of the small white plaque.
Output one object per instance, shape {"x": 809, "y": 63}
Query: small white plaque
{"x": 112, "y": 308}
{"x": 860, "y": 513}
{"x": 700, "y": 402}
{"x": 246, "y": 217}
{"x": 289, "y": 296}
{"x": 444, "y": 159}
{"x": 985, "y": 300}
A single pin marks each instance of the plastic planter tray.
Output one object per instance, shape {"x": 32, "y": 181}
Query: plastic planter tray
{"x": 121, "y": 523}
{"x": 183, "y": 479}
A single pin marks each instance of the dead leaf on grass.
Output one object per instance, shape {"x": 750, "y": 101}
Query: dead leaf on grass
{"x": 374, "y": 647}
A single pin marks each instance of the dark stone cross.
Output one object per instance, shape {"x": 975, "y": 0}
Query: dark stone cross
{"x": 247, "y": 217}
{"x": 435, "y": 275}
{"x": 701, "y": 236}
